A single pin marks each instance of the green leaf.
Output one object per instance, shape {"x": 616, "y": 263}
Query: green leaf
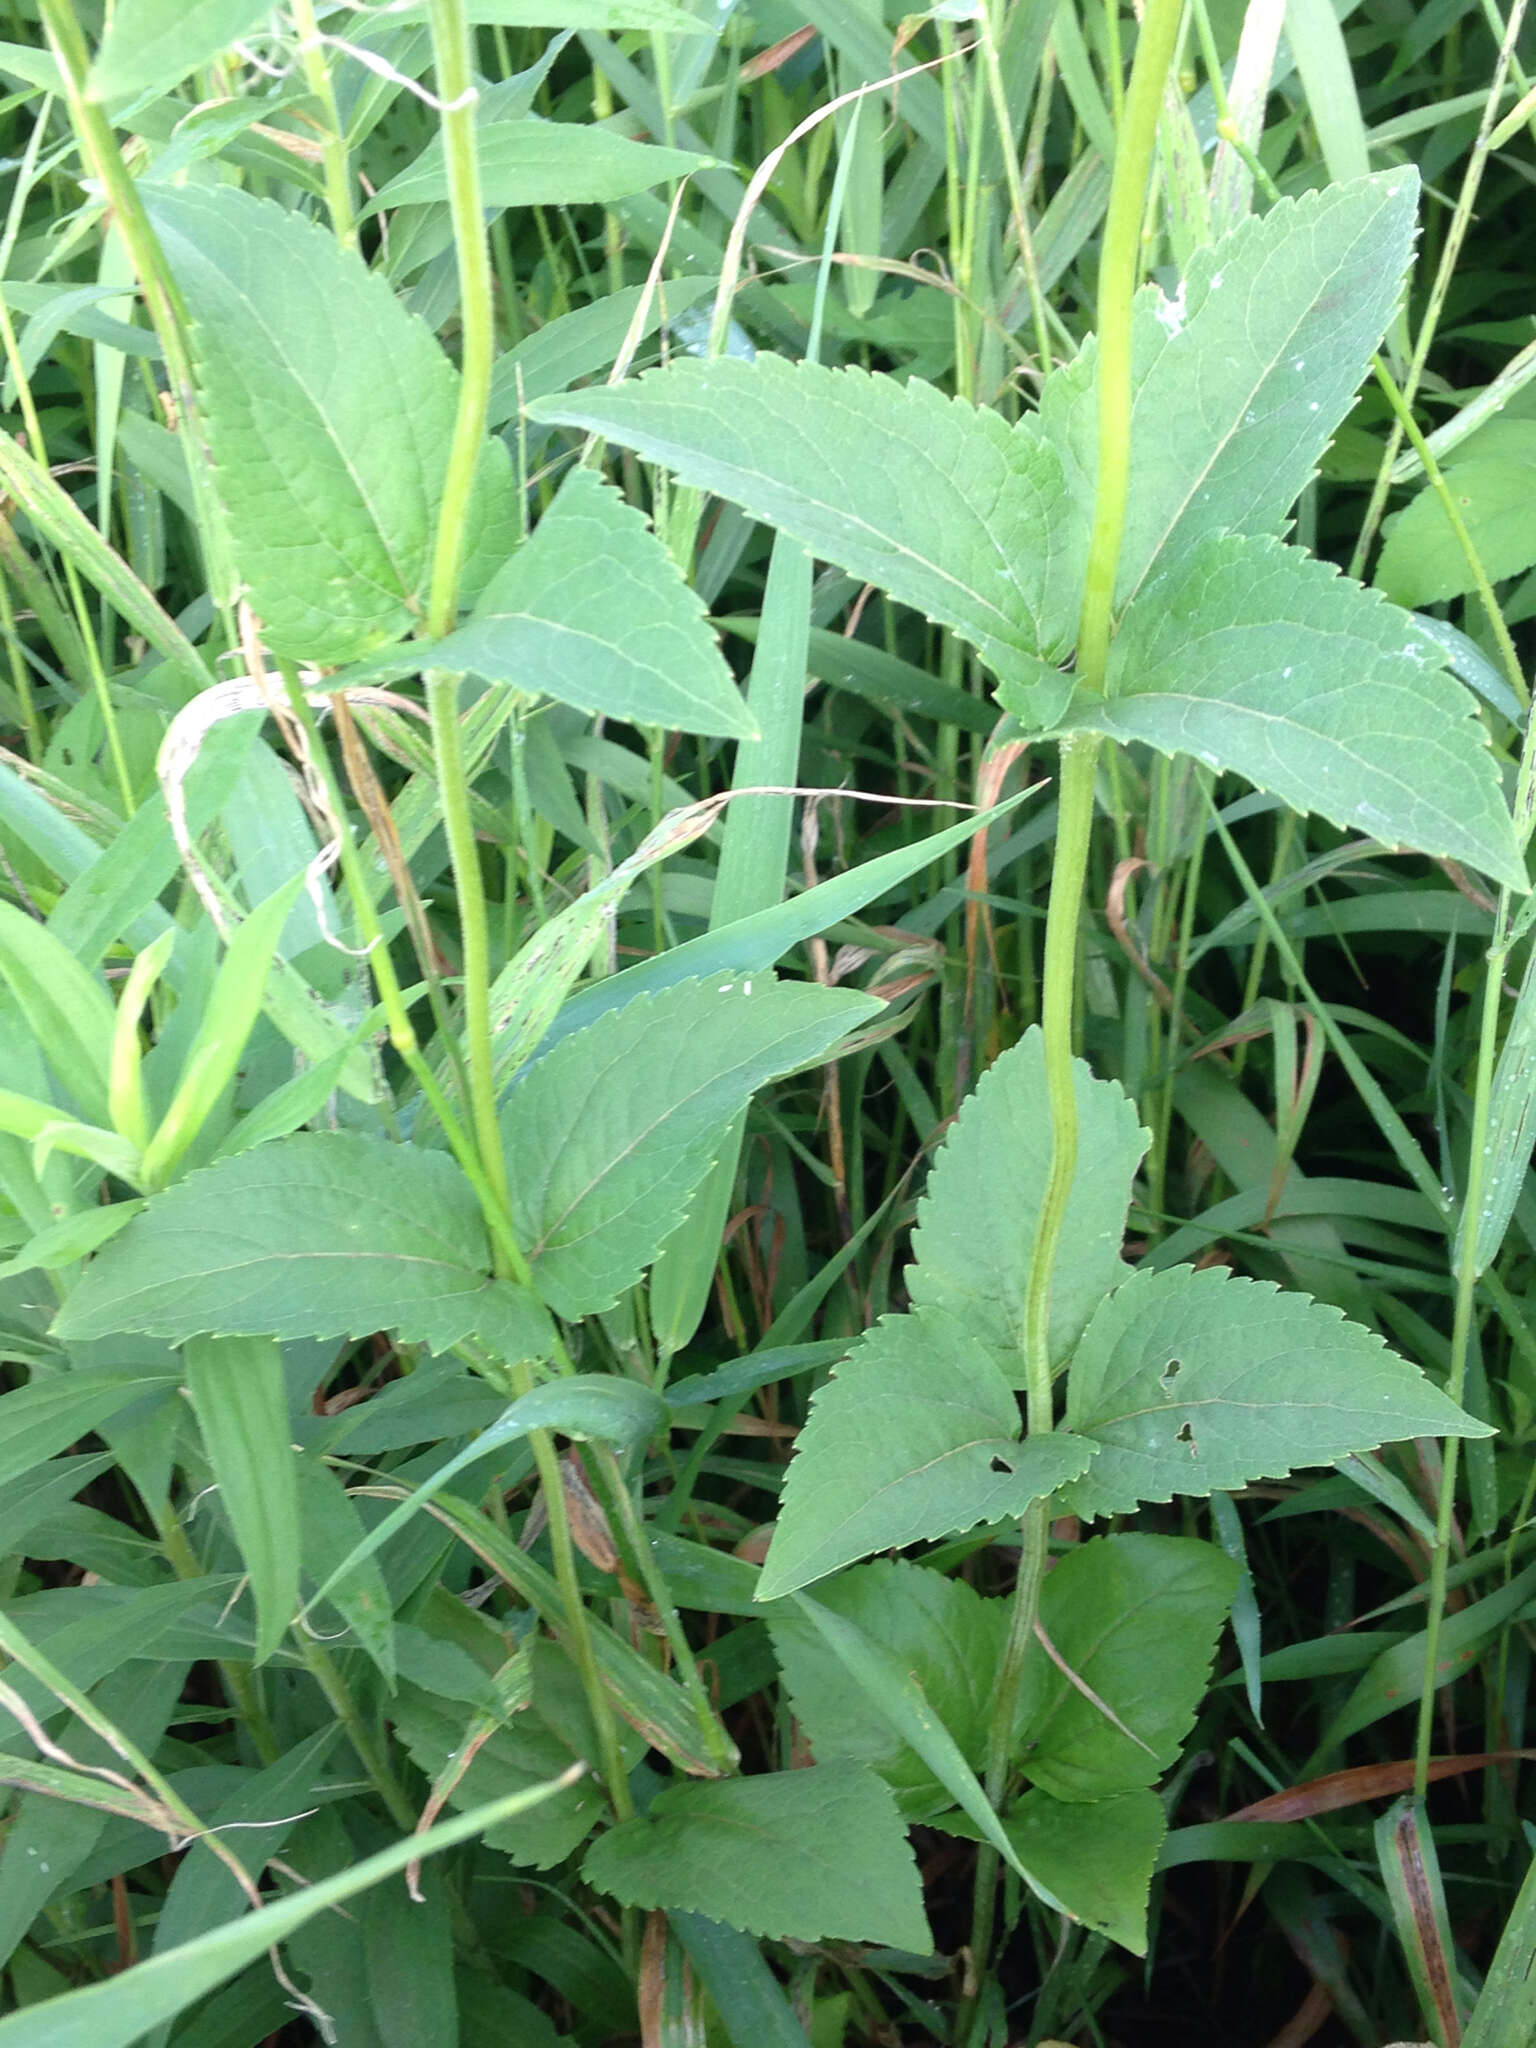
{"x": 592, "y": 611}
{"x": 329, "y": 459}
{"x": 976, "y": 1222}
{"x": 71, "y": 1238}
{"x": 232, "y": 1009}
{"x": 896, "y": 1697}
{"x": 68, "y": 1010}
{"x": 1094, "y": 1858}
{"x": 38, "y": 1421}
{"x": 611, "y": 1133}
{"x": 941, "y": 1633}
{"x": 157, "y": 42}
{"x": 241, "y": 1403}
{"x": 1193, "y": 1381}
{"x": 811, "y": 1855}
{"x": 1252, "y": 656}
{"x": 1423, "y": 561}
{"x": 528, "y": 162}
{"x": 523, "y": 1750}
{"x": 1241, "y": 379}
{"x": 323, "y": 1234}
{"x": 945, "y": 506}
{"x": 116, "y": 2013}
{"x": 1134, "y": 1619}
{"x": 914, "y": 1437}
{"x": 616, "y": 1411}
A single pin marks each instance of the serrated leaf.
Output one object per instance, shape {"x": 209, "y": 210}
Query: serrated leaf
{"x": 592, "y": 611}
{"x": 323, "y": 1234}
{"x": 240, "y": 1399}
{"x": 940, "y": 1631}
{"x": 1190, "y": 1381}
{"x": 1094, "y": 1858}
{"x": 528, "y": 162}
{"x": 1241, "y": 378}
{"x": 819, "y": 1854}
{"x": 941, "y": 504}
{"x": 915, "y": 1436}
{"x": 611, "y": 1133}
{"x": 1423, "y": 561}
{"x": 976, "y": 1221}
{"x": 329, "y": 459}
{"x": 157, "y": 42}
{"x": 1134, "y": 1619}
{"x": 1252, "y": 656}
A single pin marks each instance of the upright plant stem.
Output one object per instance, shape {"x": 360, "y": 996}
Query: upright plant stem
{"x": 1119, "y": 271}
{"x": 455, "y": 85}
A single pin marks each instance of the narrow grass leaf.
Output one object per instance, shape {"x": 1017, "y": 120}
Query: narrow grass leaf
{"x": 114, "y": 2014}
{"x": 240, "y": 1400}
{"x": 529, "y": 162}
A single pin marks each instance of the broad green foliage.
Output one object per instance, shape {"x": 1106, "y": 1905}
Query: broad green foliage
{"x": 915, "y": 1436}
{"x": 331, "y": 473}
{"x": 318, "y": 1235}
{"x": 946, "y": 507}
{"x": 811, "y": 1855}
{"x": 1188, "y": 1381}
{"x": 592, "y": 611}
{"x": 941, "y": 1632}
{"x": 1243, "y": 654}
{"x": 1094, "y": 1859}
{"x": 1134, "y": 1620}
{"x": 977, "y": 1219}
{"x": 1243, "y": 375}
{"x": 157, "y": 42}
{"x": 612, "y": 1132}
{"x": 1250, "y": 655}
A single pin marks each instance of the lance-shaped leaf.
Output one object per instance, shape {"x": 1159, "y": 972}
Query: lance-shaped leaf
{"x": 241, "y": 1403}
{"x": 977, "y": 1219}
{"x": 1193, "y": 1381}
{"x": 1254, "y": 657}
{"x": 329, "y": 458}
{"x": 592, "y": 611}
{"x": 1243, "y": 376}
{"x": 915, "y": 1436}
{"x": 810, "y": 1855}
{"x": 943, "y": 505}
{"x": 528, "y": 162}
{"x": 611, "y": 1133}
{"x": 320, "y": 1235}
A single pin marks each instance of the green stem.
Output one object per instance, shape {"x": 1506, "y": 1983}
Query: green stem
{"x": 1461, "y": 1337}
{"x": 317, "y": 76}
{"x": 1119, "y": 272}
{"x": 455, "y": 85}
{"x": 371, "y": 1753}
